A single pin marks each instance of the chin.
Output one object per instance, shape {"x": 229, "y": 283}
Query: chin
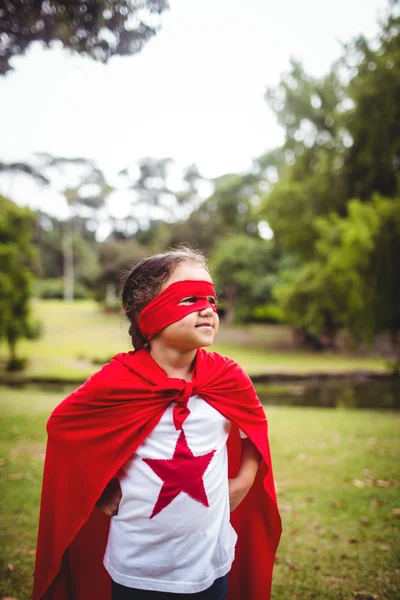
{"x": 206, "y": 344}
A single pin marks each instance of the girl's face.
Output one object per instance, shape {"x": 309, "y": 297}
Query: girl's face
{"x": 197, "y": 329}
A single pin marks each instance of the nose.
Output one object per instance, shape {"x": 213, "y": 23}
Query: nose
{"x": 206, "y": 312}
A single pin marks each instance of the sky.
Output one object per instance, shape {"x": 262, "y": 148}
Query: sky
{"x": 195, "y": 93}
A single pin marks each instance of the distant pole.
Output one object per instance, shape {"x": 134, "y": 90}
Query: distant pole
{"x": 68, "y": 252}
{"x": 111, "y": 293}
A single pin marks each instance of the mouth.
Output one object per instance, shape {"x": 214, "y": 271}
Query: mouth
{"x": 204, "y": 326}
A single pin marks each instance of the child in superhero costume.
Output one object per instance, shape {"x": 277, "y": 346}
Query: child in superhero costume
{"x": 158, "y": 479}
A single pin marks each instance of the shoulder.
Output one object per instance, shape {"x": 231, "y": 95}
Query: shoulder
{"x": 98, "y": 386}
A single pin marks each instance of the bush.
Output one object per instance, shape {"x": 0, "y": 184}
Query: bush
{"x": 268, "y": 313}
{"x": 111, "y": 307}
{"x": 16, "y": 364}
{"x": 53, "y": 289}
{"x": 34, "y": 329}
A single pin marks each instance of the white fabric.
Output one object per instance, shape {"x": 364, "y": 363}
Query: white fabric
{"x": 187, "y": 545}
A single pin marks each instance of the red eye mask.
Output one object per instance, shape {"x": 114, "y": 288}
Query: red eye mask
{"x": 165, "y": 308}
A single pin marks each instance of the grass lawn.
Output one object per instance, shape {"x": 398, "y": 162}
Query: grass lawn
{"x": 337, "y": 474}
{"x": 77, "y": 333}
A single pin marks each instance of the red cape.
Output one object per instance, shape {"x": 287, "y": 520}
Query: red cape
{"x": 94, "y": 431}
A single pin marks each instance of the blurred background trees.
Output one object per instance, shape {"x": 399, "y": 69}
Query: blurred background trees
{"x": 310, "y": 236}
{"x": 17, "y": 265}
{"x": 335, "y": 205}
{"x": 100, "y": 29}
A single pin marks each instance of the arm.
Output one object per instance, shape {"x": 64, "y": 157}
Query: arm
{"x": 241, "y": 484}
{"x": 110, "y": 498}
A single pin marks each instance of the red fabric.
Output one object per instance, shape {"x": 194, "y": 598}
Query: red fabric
{"x": 181, "y": 473}
{"x": 98, "y": 427}
{"x": 164, "y": 309}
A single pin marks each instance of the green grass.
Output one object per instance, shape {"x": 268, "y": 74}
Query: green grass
{"x": 340, "y": 537}
{"x": 337, "y": 475}
{"x": 255, "y": 361}
{"x": 77, "y": 333}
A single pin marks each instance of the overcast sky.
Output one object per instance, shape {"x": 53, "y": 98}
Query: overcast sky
{"x": 195, "y": 93}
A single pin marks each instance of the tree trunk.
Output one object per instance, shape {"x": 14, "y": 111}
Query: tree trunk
{"x": 395, "y": 339}
{"x": 68, "y": 256}
{"x": 111, "y": 293}
{"x": 12, "y": 346}
{"x": 230, "y": 297}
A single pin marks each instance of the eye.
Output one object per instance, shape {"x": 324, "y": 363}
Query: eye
{"x": 190, "y": 300}
{"x": 212, "y": 300}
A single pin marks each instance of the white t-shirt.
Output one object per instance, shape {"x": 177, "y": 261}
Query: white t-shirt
{"x": 172, "y": 532}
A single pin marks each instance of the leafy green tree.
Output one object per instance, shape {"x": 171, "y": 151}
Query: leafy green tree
{"x": 17, "y": 262}
{"x": 115, "y": 257}
{"x": 192, "y": 178}
{"x": 304, "y": 177}
{"x": 230, "y": 210}
{"x": 162, "y": 215}
{"x": 342, "y": 141}
{"x": 342, "y": 138}
{"x": 373, "y": 160}
{"x": 48, "y": 241}
{"x": 244, "y": 268}
{"x": 233, "y": 203}
{"x": 353, "y": 280}
{"x": 87, "y": 196}
{"x": 99, "y": 29}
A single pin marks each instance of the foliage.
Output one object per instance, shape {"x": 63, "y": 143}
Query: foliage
{"x": 373, "y": 160}
{"x": 49, "y": 242}
{"x": 342, "y": 138}
{"x": 85, "y": 192}
{"x": 116, "y": 257}
{"x": 20, "y": 167}
{"x": 233, "y": 204}
{"x": 244, "y": 269}
{"x": 100, "y": 29}
{"x": 352, "y": 276}
{"x": 230, "y": 210}
{"x": 330, "y": 195}
{"x": 17, "y": 261}
{"x": 53, "y": 289}
{"x": 333, "y": 190}
{"x": 77, "y": 332}
{"x": 151, "y": 198}
{"x": 307, "y": 182}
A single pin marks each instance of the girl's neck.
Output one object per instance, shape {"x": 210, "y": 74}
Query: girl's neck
{"x": 175, "y": 364}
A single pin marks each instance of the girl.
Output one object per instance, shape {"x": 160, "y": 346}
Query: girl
{"x": 138, "y": 460}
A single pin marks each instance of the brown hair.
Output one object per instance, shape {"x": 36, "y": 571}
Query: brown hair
{"x": 143, "y": 282}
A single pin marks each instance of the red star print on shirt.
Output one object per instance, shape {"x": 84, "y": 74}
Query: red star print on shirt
{"x": 181, "y": 473}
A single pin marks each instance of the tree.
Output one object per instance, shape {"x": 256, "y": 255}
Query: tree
{"x": 229, "y": 210}
{"x": 244, "y": 268}
{"x": 342, "y": 138}
{"x": 341, "y": 151}
{"x": 373, "y": 159}
{"x": 116, "y": 257}
{"x": 190, "y": 196}
{"x": 19, "y": 167}
{"x": 17, "y": 262}
{"x": 98, "y": 28}
{"x": 353, "y": 280}
{"x": 304, "y": 177}
{"x": 151, "y": 198}
{"x": 88, "y": 194}
{"x": 49, "y": 242}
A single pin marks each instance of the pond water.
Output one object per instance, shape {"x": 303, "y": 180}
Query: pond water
{"x": 383, "y": 394}
{"x": 368, "y": 393}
